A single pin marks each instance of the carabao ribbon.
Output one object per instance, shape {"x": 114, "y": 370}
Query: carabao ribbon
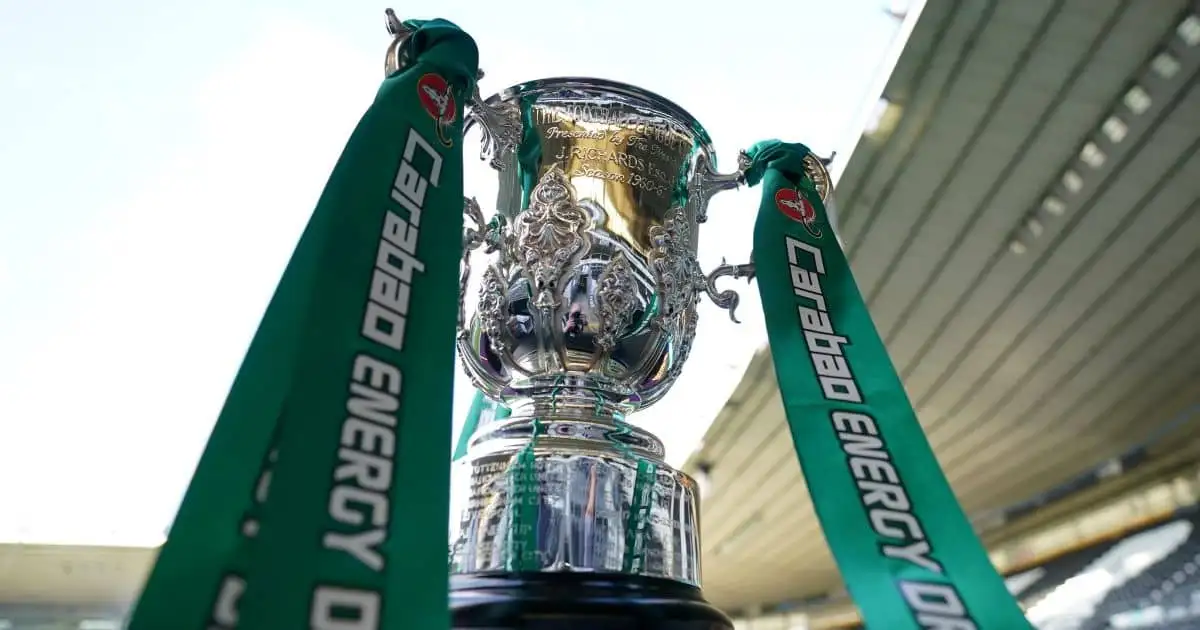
{"x": 904, "y": 547}
{"x": 321, "y": 498}
{"x": 483, "y": 410}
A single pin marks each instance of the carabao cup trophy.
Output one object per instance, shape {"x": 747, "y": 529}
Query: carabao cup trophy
{"x": 586, "y": 313}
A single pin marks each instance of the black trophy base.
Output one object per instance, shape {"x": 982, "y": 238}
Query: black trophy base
{"x": 579, "y": 601}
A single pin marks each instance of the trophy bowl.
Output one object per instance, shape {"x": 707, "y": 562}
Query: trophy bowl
{"x": 586, "y": 313}
{"x": 595, "y": 278}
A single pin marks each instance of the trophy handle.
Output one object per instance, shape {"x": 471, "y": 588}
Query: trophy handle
{"x": 474, "y": 231}
{"x": 477, "y": 232}
{"x": 727, "y": 299}
{"x": 706, "y": 182}
{"x": 500, "y": 123}
{"x": 396, "y": 57}
{"x": 492, "y": 236}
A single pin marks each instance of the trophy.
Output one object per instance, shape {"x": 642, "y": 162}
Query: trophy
{"x": 586, "y": 314}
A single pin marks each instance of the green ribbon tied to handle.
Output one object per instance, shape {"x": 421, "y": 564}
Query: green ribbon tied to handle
{"x": 905, "y": 548}
{"x": 321, "y": 498}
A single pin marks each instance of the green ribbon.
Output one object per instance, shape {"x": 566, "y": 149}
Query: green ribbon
{"x": 321, "y": 498}
{"x": 904, "y": 547}
{"x": 526, "y": 507}
{"x": 483, "y": 410}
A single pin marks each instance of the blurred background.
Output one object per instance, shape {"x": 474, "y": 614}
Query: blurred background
{"x": 1018, "y": 192}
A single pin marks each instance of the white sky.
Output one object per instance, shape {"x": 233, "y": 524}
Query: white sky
{"x": 158, "y": 160}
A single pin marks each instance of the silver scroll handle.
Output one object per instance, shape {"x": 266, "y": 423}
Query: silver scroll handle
{"x": 500, "y": 122}
{"x": 397, "y": 57}
{"x": 707, "y": 182}
{"x": 477, "y": 232}
{"x": 727, "y": 299}
{"x": 704, "y": 185}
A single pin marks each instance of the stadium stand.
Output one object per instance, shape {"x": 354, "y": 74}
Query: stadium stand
{"x": 1150, "y": 578}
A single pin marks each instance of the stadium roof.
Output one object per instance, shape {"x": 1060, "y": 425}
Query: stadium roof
{"x": 1023, "y": 220}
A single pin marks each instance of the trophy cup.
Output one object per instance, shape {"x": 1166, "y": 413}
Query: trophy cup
{"x": 587, "y": 311}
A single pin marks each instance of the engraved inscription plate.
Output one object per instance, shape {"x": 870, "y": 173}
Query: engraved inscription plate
{"x": 609, "y": 143}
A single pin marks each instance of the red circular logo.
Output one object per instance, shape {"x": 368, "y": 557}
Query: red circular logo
{"x": 794, "y": 206}
{"x": 436, "y": 98}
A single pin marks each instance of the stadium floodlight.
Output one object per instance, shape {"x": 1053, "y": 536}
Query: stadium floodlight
{"x": 1189, "y": 30}
{"x": 1114, "y": 129}
{"x": 1054, "y": 206}
{"x": 1092, "y": 155}
{"x": 1035, "y": 226}
{"x": 1138, "y": 100}
{"x": 1072, "y": 181}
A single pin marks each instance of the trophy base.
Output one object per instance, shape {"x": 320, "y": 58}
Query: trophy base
{"x": 579, "y": 601}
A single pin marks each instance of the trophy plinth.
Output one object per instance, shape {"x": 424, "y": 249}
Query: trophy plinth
{"x": 586, "y": 314}
{"x": 580, "y": 601}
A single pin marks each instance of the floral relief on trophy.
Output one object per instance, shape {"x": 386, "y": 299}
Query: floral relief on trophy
{"x": 686, "y": 331}
{"x": 551, "y": 235}
{"x": 674, "y": 267}
{"x": 618, "y": 303}
{"x": 492, "y": 313}
{"x": 493, "y": 236}
{"x": 476, "y": 233}
{"x": 706, "y": 182}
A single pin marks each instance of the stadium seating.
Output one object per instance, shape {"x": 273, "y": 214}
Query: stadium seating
{"x": 1147, "y": 579}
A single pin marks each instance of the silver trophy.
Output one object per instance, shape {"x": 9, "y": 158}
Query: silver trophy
{"x": 586, "y": 313}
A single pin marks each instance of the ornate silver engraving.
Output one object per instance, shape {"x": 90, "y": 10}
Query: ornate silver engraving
{"x": 492, "y": 318}
{"x": 476, "y": 233}
{"x": 617, "y": 296}
{"x": 500, "y": 124}
{"x": 473, "y": 236}
{"x": 551, "y": 235}
{"x": 707, "y": 182}
{"x": 674, "y": 266}
{"x": 685, "y": 329}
